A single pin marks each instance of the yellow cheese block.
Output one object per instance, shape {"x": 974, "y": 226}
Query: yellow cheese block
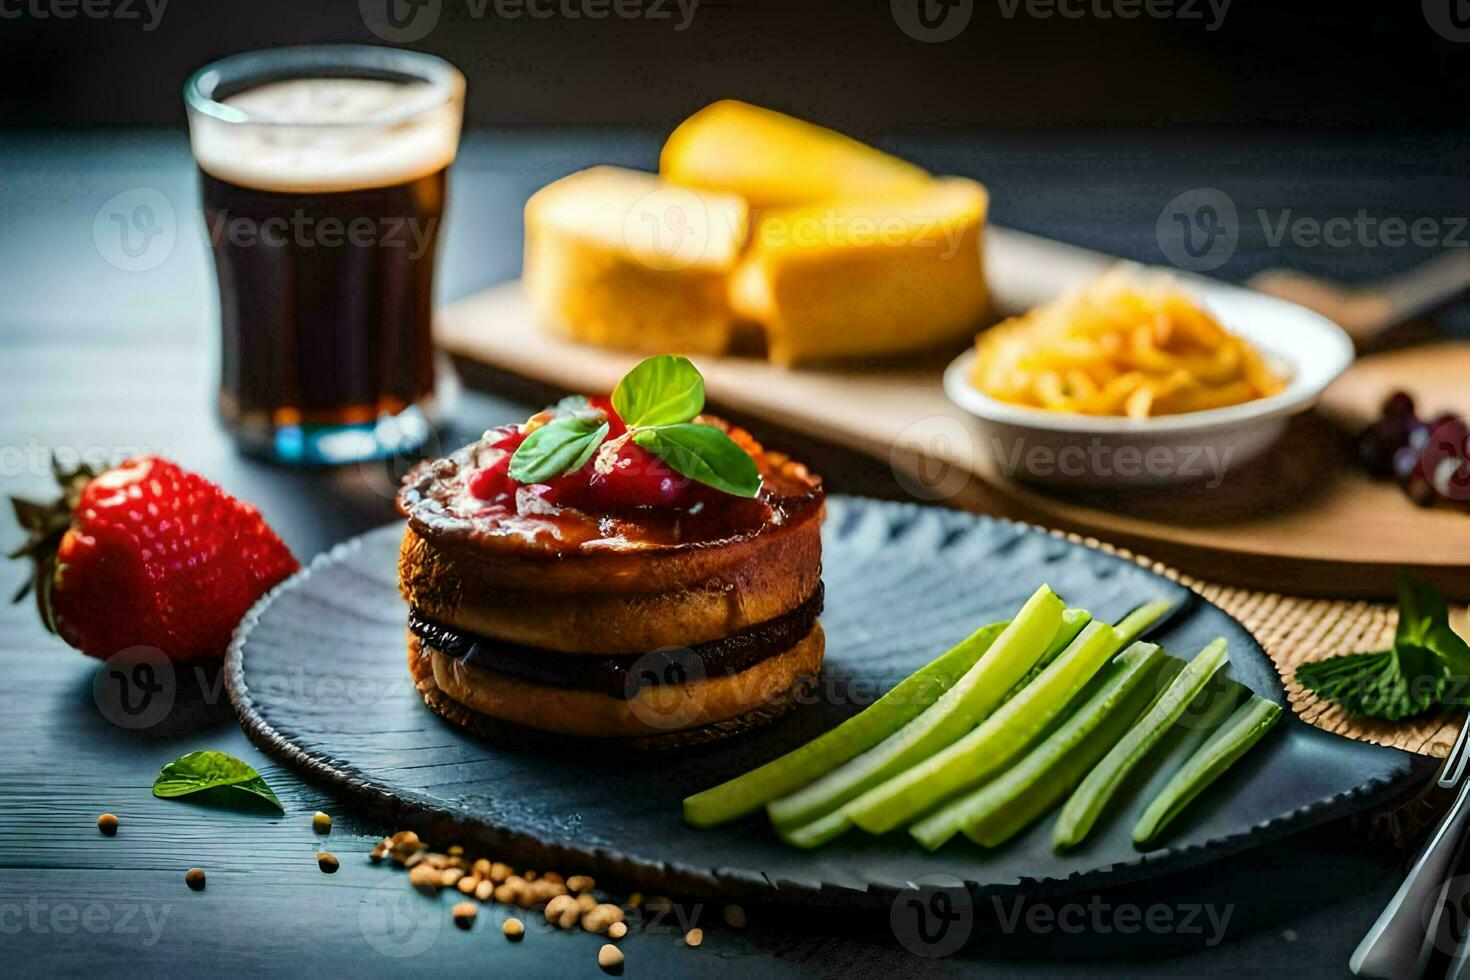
{"x": 774, "y": 160}
{"x": 867, "y": 276}
{"x": 621, "y": 259}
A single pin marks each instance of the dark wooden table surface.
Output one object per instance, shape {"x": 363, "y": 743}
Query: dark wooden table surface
{"x": 102, "y": 361}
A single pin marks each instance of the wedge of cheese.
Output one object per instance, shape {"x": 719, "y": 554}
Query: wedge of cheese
{"x": 867, "y": 276}
{"x": 622, "y": 259}
{"x": 775, "y": 160}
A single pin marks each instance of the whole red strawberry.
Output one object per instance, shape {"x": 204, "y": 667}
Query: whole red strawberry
{"x": 148, "y": 554}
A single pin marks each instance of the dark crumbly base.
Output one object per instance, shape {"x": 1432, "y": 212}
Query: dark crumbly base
{"x": 504, "y": 732}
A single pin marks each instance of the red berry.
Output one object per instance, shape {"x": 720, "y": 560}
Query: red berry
{"x": 1399, "y": 403}
{"x": 636, "y": 479}
{"x": 493, "y": 481}
{"x": 507, "y": 437}
{"x": 152, "y": 555}
{"x": 614, "y": 420}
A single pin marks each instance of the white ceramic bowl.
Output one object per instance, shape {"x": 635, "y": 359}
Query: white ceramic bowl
{"x": 1098, "y": 452}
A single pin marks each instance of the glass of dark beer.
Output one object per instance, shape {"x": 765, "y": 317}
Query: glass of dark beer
{"x": 323, "y": 175}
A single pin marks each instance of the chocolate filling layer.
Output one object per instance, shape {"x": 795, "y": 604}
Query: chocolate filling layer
{"x": 624, "y": 676}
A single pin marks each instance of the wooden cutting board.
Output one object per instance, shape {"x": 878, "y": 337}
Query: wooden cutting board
{"x": 1301, "y": 521}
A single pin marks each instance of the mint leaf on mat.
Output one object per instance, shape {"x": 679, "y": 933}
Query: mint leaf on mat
{"x": 1426, "y": 669}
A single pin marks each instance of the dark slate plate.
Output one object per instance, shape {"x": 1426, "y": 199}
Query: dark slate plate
{"x": 318, "y": 675}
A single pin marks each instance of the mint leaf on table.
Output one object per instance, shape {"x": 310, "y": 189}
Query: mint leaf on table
{"x": 1425, "y": 670}
{"x": 662, "y": 390}
{"x": 199, "y": 772}
{"x": 560, "y": 446}
{"x": 703, "y": 453}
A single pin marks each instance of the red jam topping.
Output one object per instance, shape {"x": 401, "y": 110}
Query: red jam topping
{"x": 628, "y": 498}
{"x": 636, "y": 478}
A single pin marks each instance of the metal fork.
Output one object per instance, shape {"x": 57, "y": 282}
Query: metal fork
{"x": 1399, "y": 944}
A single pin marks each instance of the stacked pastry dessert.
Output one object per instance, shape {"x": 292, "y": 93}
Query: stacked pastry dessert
{"x": 620, "y": 567}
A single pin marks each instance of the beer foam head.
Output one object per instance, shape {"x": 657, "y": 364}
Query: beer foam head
{"x": 319, "y": 135}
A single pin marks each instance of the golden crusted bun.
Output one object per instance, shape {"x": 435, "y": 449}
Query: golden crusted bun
{"x": 680, "y": 713}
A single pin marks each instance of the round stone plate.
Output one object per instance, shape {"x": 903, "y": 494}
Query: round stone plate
{"x": 318, "y": 675}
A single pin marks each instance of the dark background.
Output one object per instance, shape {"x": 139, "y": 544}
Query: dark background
{"x": 1288, "y": 63}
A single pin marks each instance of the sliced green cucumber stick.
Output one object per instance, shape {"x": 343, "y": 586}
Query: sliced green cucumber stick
{"x": 1132, "y": 626}
{"x": 1073, "y": 622}
{"x": 972, "y": 698}
{"x": 999, "y": 808}
{"x": 1232, "y": 740}
{"x": 987, "y": 749}
{"x": 1089, "y": 800}
{"x": 1142, "y": 619}
{"x": 1205, "y": 714}
{"x": 753, "y": 790}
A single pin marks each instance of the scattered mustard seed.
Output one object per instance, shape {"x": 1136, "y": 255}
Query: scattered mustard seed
{"x": 464, "y": 914}
{"x": 107, "y": 823}
{"x": 327, "y": 862}
{"x": 513, "y": 928}
{"x": 694, "y": 937}
{"x": 609, "y": 957}
{"x": 321, "y": 822}
{"x": 194, "y": 878}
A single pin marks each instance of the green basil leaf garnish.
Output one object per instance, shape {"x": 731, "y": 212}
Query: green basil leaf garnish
{"x": 703, "y": 453}
{"x": 198, "y": 772}
{"x": 572, "y": 405}
{"x": 662, "y": 390}
{"x": 560, "y": 446}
